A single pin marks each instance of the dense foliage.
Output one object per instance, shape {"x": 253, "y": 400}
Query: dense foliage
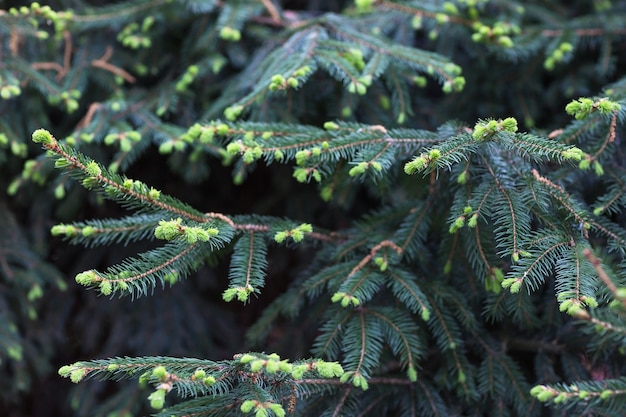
{"x": 362, "y": 208}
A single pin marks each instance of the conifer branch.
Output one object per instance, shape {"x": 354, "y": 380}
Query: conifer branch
{"x": 597, "y": 265}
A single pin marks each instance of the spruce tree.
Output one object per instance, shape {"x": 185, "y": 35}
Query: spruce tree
{"x": 431, "y": 223}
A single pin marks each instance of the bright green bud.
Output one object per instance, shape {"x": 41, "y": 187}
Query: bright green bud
{"x": 154, "y": 193}
{"x": 416, "y": 22}
{"x": 105, "y": 287}
{"x": 328, "y": 369}
{"x": 412, "y": 374}
{"x": 86, "y": 278}
{"x": 301, "y": 175}
{"x": 277, "y": 409}
{"x": 168, "y": 230}
{"x": 420, "y": 81}
{"x": 64, "y": 229}
{"x": 222, "y": 129}
{"x": 229, "y": 294}
{"x": 358, "y": 169}
{"x": 509, "y": 124}
{"x": 234, "y": 148}
{"x": 272, "y": 367}
{"x": 573, "y": 153}
{"x": 562, "y": 397}
{"x": 34, "y": 293}
{"x": 160, "y": 373}
{"x": 93, "y": 169}
{"x": 247, "y": 406}
{"x": 510, "y": 283}
{"x": 88, "y": 231}
{"x": 584, "y": 164}
{"x": 597, "y": 167}
{"x": 416, "y": 165}
{"x": 326, "y": 193}
{"x": 157, "y": 399}
{"x": 59, "y": 191}
{"x": 505, "y": 41}
{"x": 297, "y": 235}
{"x": 363, "y": 5}
{"x": 607, "y": 106}
{"x": 338, "y": 296}
{"x": 76, "y": 375}
{"x": 44, "y": 137}
{"x": 331, "y": 126}
{"x": 280, "y": 237}
{"x": 256, "y": 365}
{"x": 359, "y": 381}
{"x": 480, "y": 131}
{"x": 298, "y": 371}
{"x": 232, "y": 112}
{"x": 565, "y": 305}
{"x": 590, "y": 301}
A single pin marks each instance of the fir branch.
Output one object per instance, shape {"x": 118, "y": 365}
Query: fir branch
{"x": 597, "y": 265}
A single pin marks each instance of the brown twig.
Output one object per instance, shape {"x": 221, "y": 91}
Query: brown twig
{"x": 61, "y": 70}
{"x": 85, "y": 121}
{"x": 103, "y": 63}
{"x": 272, "y": 10}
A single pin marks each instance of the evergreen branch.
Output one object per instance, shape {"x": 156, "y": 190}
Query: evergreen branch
{"x": 537, "y": 264}
{"x": 424, "y": 61}
{"x": 614, "y": 198}
{"x": 597, "y": 265}
{"x": 404, "y": 286}
{"x": 114, "y": 186}
{"x": 401, "y": 335}
{"x": 358, "y": 288}
{"x": 415, "y": 10}
{"x": 167, "y": 264}
{"x": 328, "y": 341}
{"x": 102, "y": 16}
{"x": 615, "y": 233}
{"x": 367, "y": 259}
{"x": 443, "y": 327}
{"x": 316, "y": 283}
{"x": 108, "y": 231}
{"x": 508, "y": 217}
{"x": 558, "y": 193}
{"x": 606, "y": 395}
{"x": 412, "y": 230}
{"x": 247, "y": 269}
{"x": 362, "y": 345}
{"x": 399, "y": 93}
